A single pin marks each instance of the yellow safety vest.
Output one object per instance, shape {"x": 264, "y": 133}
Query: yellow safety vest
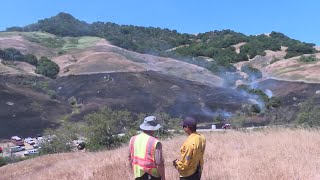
{"x": 142, "y": 148}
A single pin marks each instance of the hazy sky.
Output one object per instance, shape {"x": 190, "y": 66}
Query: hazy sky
{"x": 296, "y": 18}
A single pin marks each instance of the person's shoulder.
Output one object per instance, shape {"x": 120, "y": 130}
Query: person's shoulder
{"x": 202, "y": 137}
{"x": 198, "y": 135}
{"x": 133, "y": 137}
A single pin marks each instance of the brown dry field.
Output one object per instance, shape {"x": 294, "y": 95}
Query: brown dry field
{"x": 264, "y": 155}
{"x": 19, "y": 42}
{"x": 285, "y": 69}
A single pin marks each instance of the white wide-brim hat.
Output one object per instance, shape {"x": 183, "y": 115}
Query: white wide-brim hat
{"x": 150, "y": 123}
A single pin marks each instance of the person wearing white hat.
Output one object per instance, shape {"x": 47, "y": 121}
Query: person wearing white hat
{"x": 145, "y": 152}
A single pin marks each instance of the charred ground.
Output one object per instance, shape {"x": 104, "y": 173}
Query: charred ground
{"x": 26, "y": 107}
{"x": 292, "y": 93}
{"x": 147, "y": 92}
{"x": 26, "y": 110}
{"x": 295, "y": 98}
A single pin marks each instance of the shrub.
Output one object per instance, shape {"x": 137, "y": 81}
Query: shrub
{"x": 273, "y": 102}
{"x": 259, "y": 93}
{"x": 243, "y": 87}
{"x": 2, "y": 161}
{"x": 31, "y": 59}
{"x": 309, "y": 114}
{"x": 61, "y": 52}
{"x": 299, "y": 49}
{"x": 11, "y": 159}
{"x": 72, "y": 101}
{"x": 166, "y": 123}
{"x": 47, "y": 67}
{"x": 12, "y": 54}
{"x": 52, "y": 94}
{"x": 60, "y": 140}
{"x": 218, "y": 119}
{"x": 308, "y": 59}
{"x": 274, "y": 60}
{"x": 252, "y": 72}
{"x": 255, "y": 108}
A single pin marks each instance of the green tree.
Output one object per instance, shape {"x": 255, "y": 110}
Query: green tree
{"x": 308, "y": 59}
{"x": 252, "y": 72}
{"x": 218, "y": 119}
{"x": 60, "y": 140}
{"x": 12, "y": 54}
{"x": 47, "y": 67}
{"x": 273, "y": 102}
{"x": 103, "y": 127}
{"x": 2, "y": 161}
{"x": 255, "y": 108}
{"x": 31, "y": 59}
{"x": 309, "y": 113}
{"x": 167, "y": 123}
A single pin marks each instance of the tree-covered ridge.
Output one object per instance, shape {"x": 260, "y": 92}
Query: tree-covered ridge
{"x": 140, "y": 39}
{"x": 62, "y": 24}
{"x": 214, "y": 44}
{"x": 218, "y": 45}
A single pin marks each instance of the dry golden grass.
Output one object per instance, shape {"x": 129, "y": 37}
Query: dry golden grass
{"x": 267, "y": 154}
{"x": 294, "y": 70}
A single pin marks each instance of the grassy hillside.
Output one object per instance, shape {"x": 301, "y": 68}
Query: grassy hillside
{"x": 56, "y": 42}
{"x": 267, "y": 155}
{"x": 52, "y": 41}
{"x": 303, "y": 68}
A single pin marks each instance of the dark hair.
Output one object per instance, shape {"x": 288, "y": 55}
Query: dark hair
{"x": 191, "y": 123}
{"x": 193, "y": 128}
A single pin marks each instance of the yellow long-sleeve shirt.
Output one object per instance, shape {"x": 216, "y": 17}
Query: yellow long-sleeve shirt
{"x": 192, "y": 152}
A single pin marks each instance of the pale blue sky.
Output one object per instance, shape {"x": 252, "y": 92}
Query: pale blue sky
{"x": 296, "y": 18}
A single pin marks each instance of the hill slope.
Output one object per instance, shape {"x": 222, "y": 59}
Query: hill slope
{"x": 27, "y": 110}
{"x": 90, "y": 55}
{"x": 98, "y": 74}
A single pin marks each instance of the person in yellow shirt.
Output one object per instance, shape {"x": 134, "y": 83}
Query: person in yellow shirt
{"x": 190, "y": 164}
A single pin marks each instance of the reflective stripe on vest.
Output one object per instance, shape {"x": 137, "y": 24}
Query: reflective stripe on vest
{"x": 142, "y": 150}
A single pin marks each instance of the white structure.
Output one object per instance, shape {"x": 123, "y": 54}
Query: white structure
{"x": 213, "y": 126}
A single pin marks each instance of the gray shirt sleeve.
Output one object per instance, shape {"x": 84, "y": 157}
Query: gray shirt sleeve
{"x": 158, "y": 154}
